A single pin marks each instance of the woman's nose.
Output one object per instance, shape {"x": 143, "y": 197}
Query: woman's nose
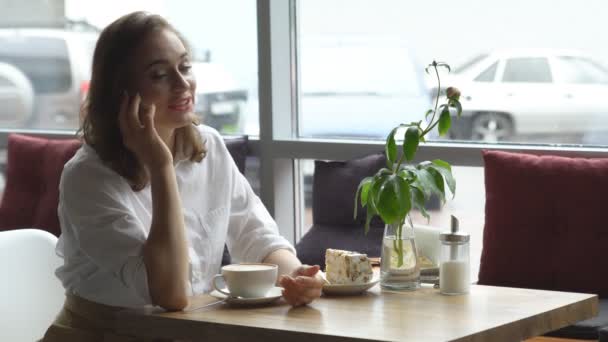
{"x": 180, "y": 82}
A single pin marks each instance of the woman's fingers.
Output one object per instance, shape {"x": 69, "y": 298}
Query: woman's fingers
{"x": 301, "y": 290}
{"x": 133, "y": 113}
{"x": 312, "y": 282}
{"x": 309, "y": 271}
{"x": 148, "y": 119}
{"x": 290, "y": 293}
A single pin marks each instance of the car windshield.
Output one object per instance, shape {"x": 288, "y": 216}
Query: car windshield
{"x": 468, "y": 64}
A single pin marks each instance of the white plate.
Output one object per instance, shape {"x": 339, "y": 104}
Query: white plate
{"x": 345, "y": 289}
{"x": 272, "y": 295}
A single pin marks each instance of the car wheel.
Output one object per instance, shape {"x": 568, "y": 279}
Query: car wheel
{"x": 491, "y": 127}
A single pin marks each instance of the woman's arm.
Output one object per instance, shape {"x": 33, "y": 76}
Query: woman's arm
{"x": 165, "y": 252}
{"x": 301, "y": 283}
{"x": 286, "y": 261}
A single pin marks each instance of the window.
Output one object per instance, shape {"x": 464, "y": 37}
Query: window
{"x": 496, "y": 78}
{"x": 47, "y": 66}
{"x": 355, "y": 89}
{"x": 54, "y": 49}
{"x": 5, "y": 82}
{"x": 531, "y": 70}
{"x": 581, "y": 71}
{"x": 366, "y": 60}
{"x": 488, "y": 75}
{"x": 468, "y": 64}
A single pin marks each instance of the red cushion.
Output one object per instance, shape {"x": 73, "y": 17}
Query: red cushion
{"x": 546, "y": 223}
{"x": 31, "y": 195}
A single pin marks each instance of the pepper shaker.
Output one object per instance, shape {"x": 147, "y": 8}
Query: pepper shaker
{"x": 454, "y": 264}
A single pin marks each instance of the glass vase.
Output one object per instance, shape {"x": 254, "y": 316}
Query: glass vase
{"x": 399, "y": 268}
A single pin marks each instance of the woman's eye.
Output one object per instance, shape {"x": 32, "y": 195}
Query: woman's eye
{"x": 158, "y": 76}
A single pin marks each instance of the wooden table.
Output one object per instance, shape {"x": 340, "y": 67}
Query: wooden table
{"x": 486, "y": 314}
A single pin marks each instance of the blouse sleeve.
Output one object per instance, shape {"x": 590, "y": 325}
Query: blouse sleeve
{"x": 93, "y": 210}
{"x": 252, "y": 232}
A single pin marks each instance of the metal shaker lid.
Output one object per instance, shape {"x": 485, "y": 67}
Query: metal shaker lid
{"x": 454, "y": 235}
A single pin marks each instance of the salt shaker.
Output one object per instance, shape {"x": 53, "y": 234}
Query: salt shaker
{"x": 454, "y": 264}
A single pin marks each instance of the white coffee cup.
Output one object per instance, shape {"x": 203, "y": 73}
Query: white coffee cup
{"x": 247, "y": 280}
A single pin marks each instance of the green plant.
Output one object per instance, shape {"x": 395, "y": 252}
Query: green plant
{"x": 393, "y": 191}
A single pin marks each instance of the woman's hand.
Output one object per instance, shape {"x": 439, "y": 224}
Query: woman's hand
{"x": 136, "y": 122}
{"x": 303, "y": 286}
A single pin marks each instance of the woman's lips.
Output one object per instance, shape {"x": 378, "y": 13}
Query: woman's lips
{"x": 182, "y": 105}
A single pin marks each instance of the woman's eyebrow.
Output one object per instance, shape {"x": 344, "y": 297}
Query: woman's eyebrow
{"x": 164, "y": 61}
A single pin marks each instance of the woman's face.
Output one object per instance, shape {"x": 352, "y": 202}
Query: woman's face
{"x": 163, "y": 77}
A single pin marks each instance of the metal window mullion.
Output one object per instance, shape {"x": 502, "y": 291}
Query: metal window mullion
{"x": 276, "y": 103}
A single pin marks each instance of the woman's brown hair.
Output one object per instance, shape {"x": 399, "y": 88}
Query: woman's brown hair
{"x": 110, "y": 77}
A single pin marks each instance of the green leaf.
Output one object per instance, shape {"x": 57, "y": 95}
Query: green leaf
{"x": 426, "y": 115}
{"x": 374, "y": 190}
{"x": 445, "y": 121}
{"x": 393, "y": 201}
{"x": 391, "y": 148}
{"x": 363, "y": 188}
{"x": 456, "y": 104}
{"x": 371, "y": 199}
{"x": 419, "y": 201}
{"x": 383, "y": 172}
{"x": 410, "y": 144}
{"x": 407, "y": 174}
{"x": 428, "y": 183}
{"x": 442, "y": 64}
{"x": 439, "y": 182}
{"x": 371, "y": 212}
{"x": 446, "y": 171}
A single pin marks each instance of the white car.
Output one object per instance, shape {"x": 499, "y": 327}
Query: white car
{"x": 16, "y": 97}
{"x": 57, "y": 62}
{"x": 530, "y": 92}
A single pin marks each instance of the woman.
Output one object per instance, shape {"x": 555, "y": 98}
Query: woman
{"x": 148, "y": 202}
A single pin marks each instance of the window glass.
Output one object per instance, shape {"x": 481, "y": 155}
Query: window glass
{"x": 390, "y": 36}
{"x": 531, "y": 70}
{"x": 581, "y": 71}
{"x": 468, "y": 64}
{"x": 47, "y": 66}
{"x": 64, "y": 34}
{"x": 468, "y": 206}
{"x": 488, "y": 75}
{"x": 5, "y": 82}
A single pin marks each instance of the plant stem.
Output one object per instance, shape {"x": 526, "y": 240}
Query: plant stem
{"x": 399, "y": 163}
{"x": 433, "y": 124}
{"x": 398, "y": 244}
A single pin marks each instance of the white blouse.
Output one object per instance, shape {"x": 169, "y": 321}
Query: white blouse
{"x": 104, "y": 224}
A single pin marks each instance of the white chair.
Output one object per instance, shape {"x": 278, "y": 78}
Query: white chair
{"x": 30, "y": 294}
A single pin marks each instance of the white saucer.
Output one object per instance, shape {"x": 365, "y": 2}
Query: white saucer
{"x": 272, "y": 295}
{"x": 347, "y": 289}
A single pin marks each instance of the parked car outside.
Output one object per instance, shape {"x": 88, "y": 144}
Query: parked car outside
{"x": 220, "y": 101}
{"x": 513, "y": 92}
{"x": 58, "y": 65}
{"x": 16, "y": 97}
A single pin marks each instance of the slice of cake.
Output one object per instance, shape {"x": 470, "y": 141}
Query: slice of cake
{"x": 345, "y": 267}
